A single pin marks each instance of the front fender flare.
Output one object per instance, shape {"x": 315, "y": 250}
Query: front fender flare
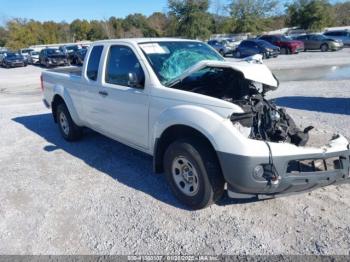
{"x": 220, "y": 131}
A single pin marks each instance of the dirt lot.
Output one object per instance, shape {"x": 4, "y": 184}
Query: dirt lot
{"x": 100, "y": 197}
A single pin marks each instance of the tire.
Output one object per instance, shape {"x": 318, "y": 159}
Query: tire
{"x": 197, "y": 163}
{"x": 238, "y": 54}
{"x": 222, "y": 53}
{"x": 285, "y": 51}
{"x": 324, "y": 47}
{"x": 69, "y": 130}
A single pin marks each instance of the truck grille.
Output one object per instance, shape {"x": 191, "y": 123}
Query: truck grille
{"x": 314, "y": 165}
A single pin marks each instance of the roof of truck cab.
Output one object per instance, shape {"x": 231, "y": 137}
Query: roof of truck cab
{"x": 145, "y": 40}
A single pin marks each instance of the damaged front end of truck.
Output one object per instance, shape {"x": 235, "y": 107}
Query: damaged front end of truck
{"x": 289, "y": 164}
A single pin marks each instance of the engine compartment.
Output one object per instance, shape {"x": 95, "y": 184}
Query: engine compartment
{"x": 267, "y": 121}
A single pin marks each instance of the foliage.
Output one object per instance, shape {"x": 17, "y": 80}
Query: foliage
{"x": 3, "y": 36}
{"x": 191, "y": 18}
{"x": 313, "y": 15}
{"x": 185, "y": 18}
{"x": 248, "y": 14}
{"x": 342, "y": 13}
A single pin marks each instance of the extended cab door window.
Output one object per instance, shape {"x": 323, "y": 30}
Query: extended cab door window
{"x": 123, "y": 68}
{"x": 94, "y": 63}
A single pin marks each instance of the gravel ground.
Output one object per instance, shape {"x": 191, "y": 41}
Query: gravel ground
{"x": 101, "y": 197}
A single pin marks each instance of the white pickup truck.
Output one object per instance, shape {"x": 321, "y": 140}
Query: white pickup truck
{"x": 204, "y": 120}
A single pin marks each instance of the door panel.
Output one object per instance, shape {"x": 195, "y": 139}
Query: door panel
{"x": 123, "y": 113}
{"x": 123, "y": 102}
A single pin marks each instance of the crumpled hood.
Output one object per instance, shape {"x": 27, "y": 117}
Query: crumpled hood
{"x": 256, "y": 72}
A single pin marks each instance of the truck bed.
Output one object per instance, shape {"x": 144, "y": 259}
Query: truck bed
{"x": 70, "y": 70}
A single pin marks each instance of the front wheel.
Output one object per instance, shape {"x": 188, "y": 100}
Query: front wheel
{"x": 69, "y": 130}
{"x": 193, "y": 173}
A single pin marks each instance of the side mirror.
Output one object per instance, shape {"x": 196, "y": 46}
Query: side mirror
{"x": 134, "y": 81}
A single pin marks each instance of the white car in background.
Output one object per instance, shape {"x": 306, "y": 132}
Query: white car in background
{"x": 25, "y": 53}
{"x": 33, "y": 58}
{"x": 2, "y": 56}
{"x": 343, "y": 35}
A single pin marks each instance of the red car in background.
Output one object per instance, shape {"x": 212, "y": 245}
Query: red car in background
{"x": 287, "y": 45}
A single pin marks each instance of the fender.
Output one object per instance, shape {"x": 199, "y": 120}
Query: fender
{"x": 220, "y": 131}
{"x": 61, "y": 91}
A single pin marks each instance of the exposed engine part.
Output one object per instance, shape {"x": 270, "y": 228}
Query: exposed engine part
{"x": 268, "y": 122}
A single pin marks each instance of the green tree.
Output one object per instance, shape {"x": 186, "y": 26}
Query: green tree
{"x": 313, "y": 15}
{"x": 190, "y": 18}
{"x": 136, "y": 25}
{"x": 3, "y": 36}
{"x": 21, "y": 33}
{"x": 80, "y": 29}
{"x": 97, "y": 31}
{"x": 249, "y": 15}
{"x": 117, "y": 27}
{"x": 342, "y": 13}
{"x": 158, "y": 22}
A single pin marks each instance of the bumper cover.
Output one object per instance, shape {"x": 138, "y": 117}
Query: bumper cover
{"x": 239, "y": 171}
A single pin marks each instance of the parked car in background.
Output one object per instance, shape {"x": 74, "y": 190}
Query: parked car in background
{"x": 52, "y": 57}
{"x": 2, "y": 56}
{"x": 69, "y": 51}
{"x": 14, "y": 60}
{"x": 33, "y": 58}
{"x": 286, "y": 45}
{"x": 222, "y": 46}
{"x": 233, "y": 43}
{"x": 343, "y": 35}
{"x": 79, "y": 56}
{"x": 320, "y": 42}
{"x": 253, "y": 47}
{"x": 25, "y": 52}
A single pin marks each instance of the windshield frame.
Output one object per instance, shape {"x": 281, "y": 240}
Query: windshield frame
{"x": 170, "y": 82}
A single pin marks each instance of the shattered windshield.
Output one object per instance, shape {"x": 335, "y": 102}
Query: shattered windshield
{"x": 170, "y": 60}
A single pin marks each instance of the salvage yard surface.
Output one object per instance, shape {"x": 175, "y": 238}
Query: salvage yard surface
{"x": 98, "y": 196}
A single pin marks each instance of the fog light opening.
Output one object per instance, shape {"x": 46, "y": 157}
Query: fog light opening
{"x": 259, "y": 171}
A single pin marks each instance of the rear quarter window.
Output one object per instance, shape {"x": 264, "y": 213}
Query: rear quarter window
{"x": 94, "y": 62}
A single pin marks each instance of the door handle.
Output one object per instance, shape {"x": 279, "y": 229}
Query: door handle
{"x": 103, "y": 93}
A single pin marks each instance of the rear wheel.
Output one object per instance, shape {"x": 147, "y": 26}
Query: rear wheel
{"x": 238, "y": 54}
{"x": 69, "y": 130}
{"x": 324, "y": 48}
{"x": 193, "y": 173}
